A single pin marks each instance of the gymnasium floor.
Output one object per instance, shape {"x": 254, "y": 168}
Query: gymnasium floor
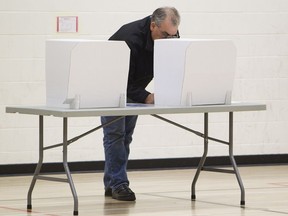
{"x": 158, "y": 192}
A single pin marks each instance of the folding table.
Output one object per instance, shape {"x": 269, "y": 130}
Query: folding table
{"x": 133, "y": 109}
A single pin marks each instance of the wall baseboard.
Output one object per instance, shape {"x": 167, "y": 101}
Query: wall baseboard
{"x": 169, "y": 163}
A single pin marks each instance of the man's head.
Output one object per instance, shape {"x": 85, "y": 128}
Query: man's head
{"x": 164, "y": 23}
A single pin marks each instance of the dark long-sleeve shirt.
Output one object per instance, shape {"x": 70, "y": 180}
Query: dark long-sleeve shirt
{"x": 137, "y": 35}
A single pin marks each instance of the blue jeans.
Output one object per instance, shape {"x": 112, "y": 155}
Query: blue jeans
{"x": 117, "y": 139}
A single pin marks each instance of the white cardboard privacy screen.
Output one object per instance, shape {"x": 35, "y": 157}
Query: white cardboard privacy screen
{"x": 94, "y": 73}
{"x": 193, "y": 72}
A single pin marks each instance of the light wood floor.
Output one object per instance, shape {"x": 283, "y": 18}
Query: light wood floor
{"x": 160, "y": 192}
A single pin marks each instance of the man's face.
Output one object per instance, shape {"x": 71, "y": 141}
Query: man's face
{"x": 165, "y": 30}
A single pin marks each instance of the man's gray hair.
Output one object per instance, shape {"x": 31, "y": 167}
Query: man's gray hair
{"x": 160, "y": 14}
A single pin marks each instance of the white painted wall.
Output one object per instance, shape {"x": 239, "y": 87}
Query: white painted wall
{"x": 259, "y": 29}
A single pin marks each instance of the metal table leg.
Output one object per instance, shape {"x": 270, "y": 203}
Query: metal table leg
{"x": 64, "y": 144}
{"x": 206, "y": 138}
{"x": 203, "y": 158}
{"x": 66, "y": 167}
{"x": 231, "y": 156}
{"x": 39, "y": 165}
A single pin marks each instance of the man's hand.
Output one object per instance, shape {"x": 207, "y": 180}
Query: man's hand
{"x": 149, "y": 99}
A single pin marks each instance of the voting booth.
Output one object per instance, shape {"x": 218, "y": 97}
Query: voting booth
{"x": 191, "y": 72}
{"x": 86, "y": 73}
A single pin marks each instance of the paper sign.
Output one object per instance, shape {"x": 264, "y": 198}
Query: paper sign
{"x": 67, "y": 24}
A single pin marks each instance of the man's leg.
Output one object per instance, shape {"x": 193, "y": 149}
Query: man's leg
{"x": 117, "y": 138}
{"x": 130, "y": 123}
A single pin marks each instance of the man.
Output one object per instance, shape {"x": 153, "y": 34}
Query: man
{"x": 139, "y": 36}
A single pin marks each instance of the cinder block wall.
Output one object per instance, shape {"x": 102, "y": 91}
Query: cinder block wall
{"x": 259, "y": 29}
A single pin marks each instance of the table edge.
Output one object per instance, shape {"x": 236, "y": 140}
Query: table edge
{"x": 134, "y": 110}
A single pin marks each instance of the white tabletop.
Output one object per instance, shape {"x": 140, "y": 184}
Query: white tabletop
{"x": 133, "y": 109}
